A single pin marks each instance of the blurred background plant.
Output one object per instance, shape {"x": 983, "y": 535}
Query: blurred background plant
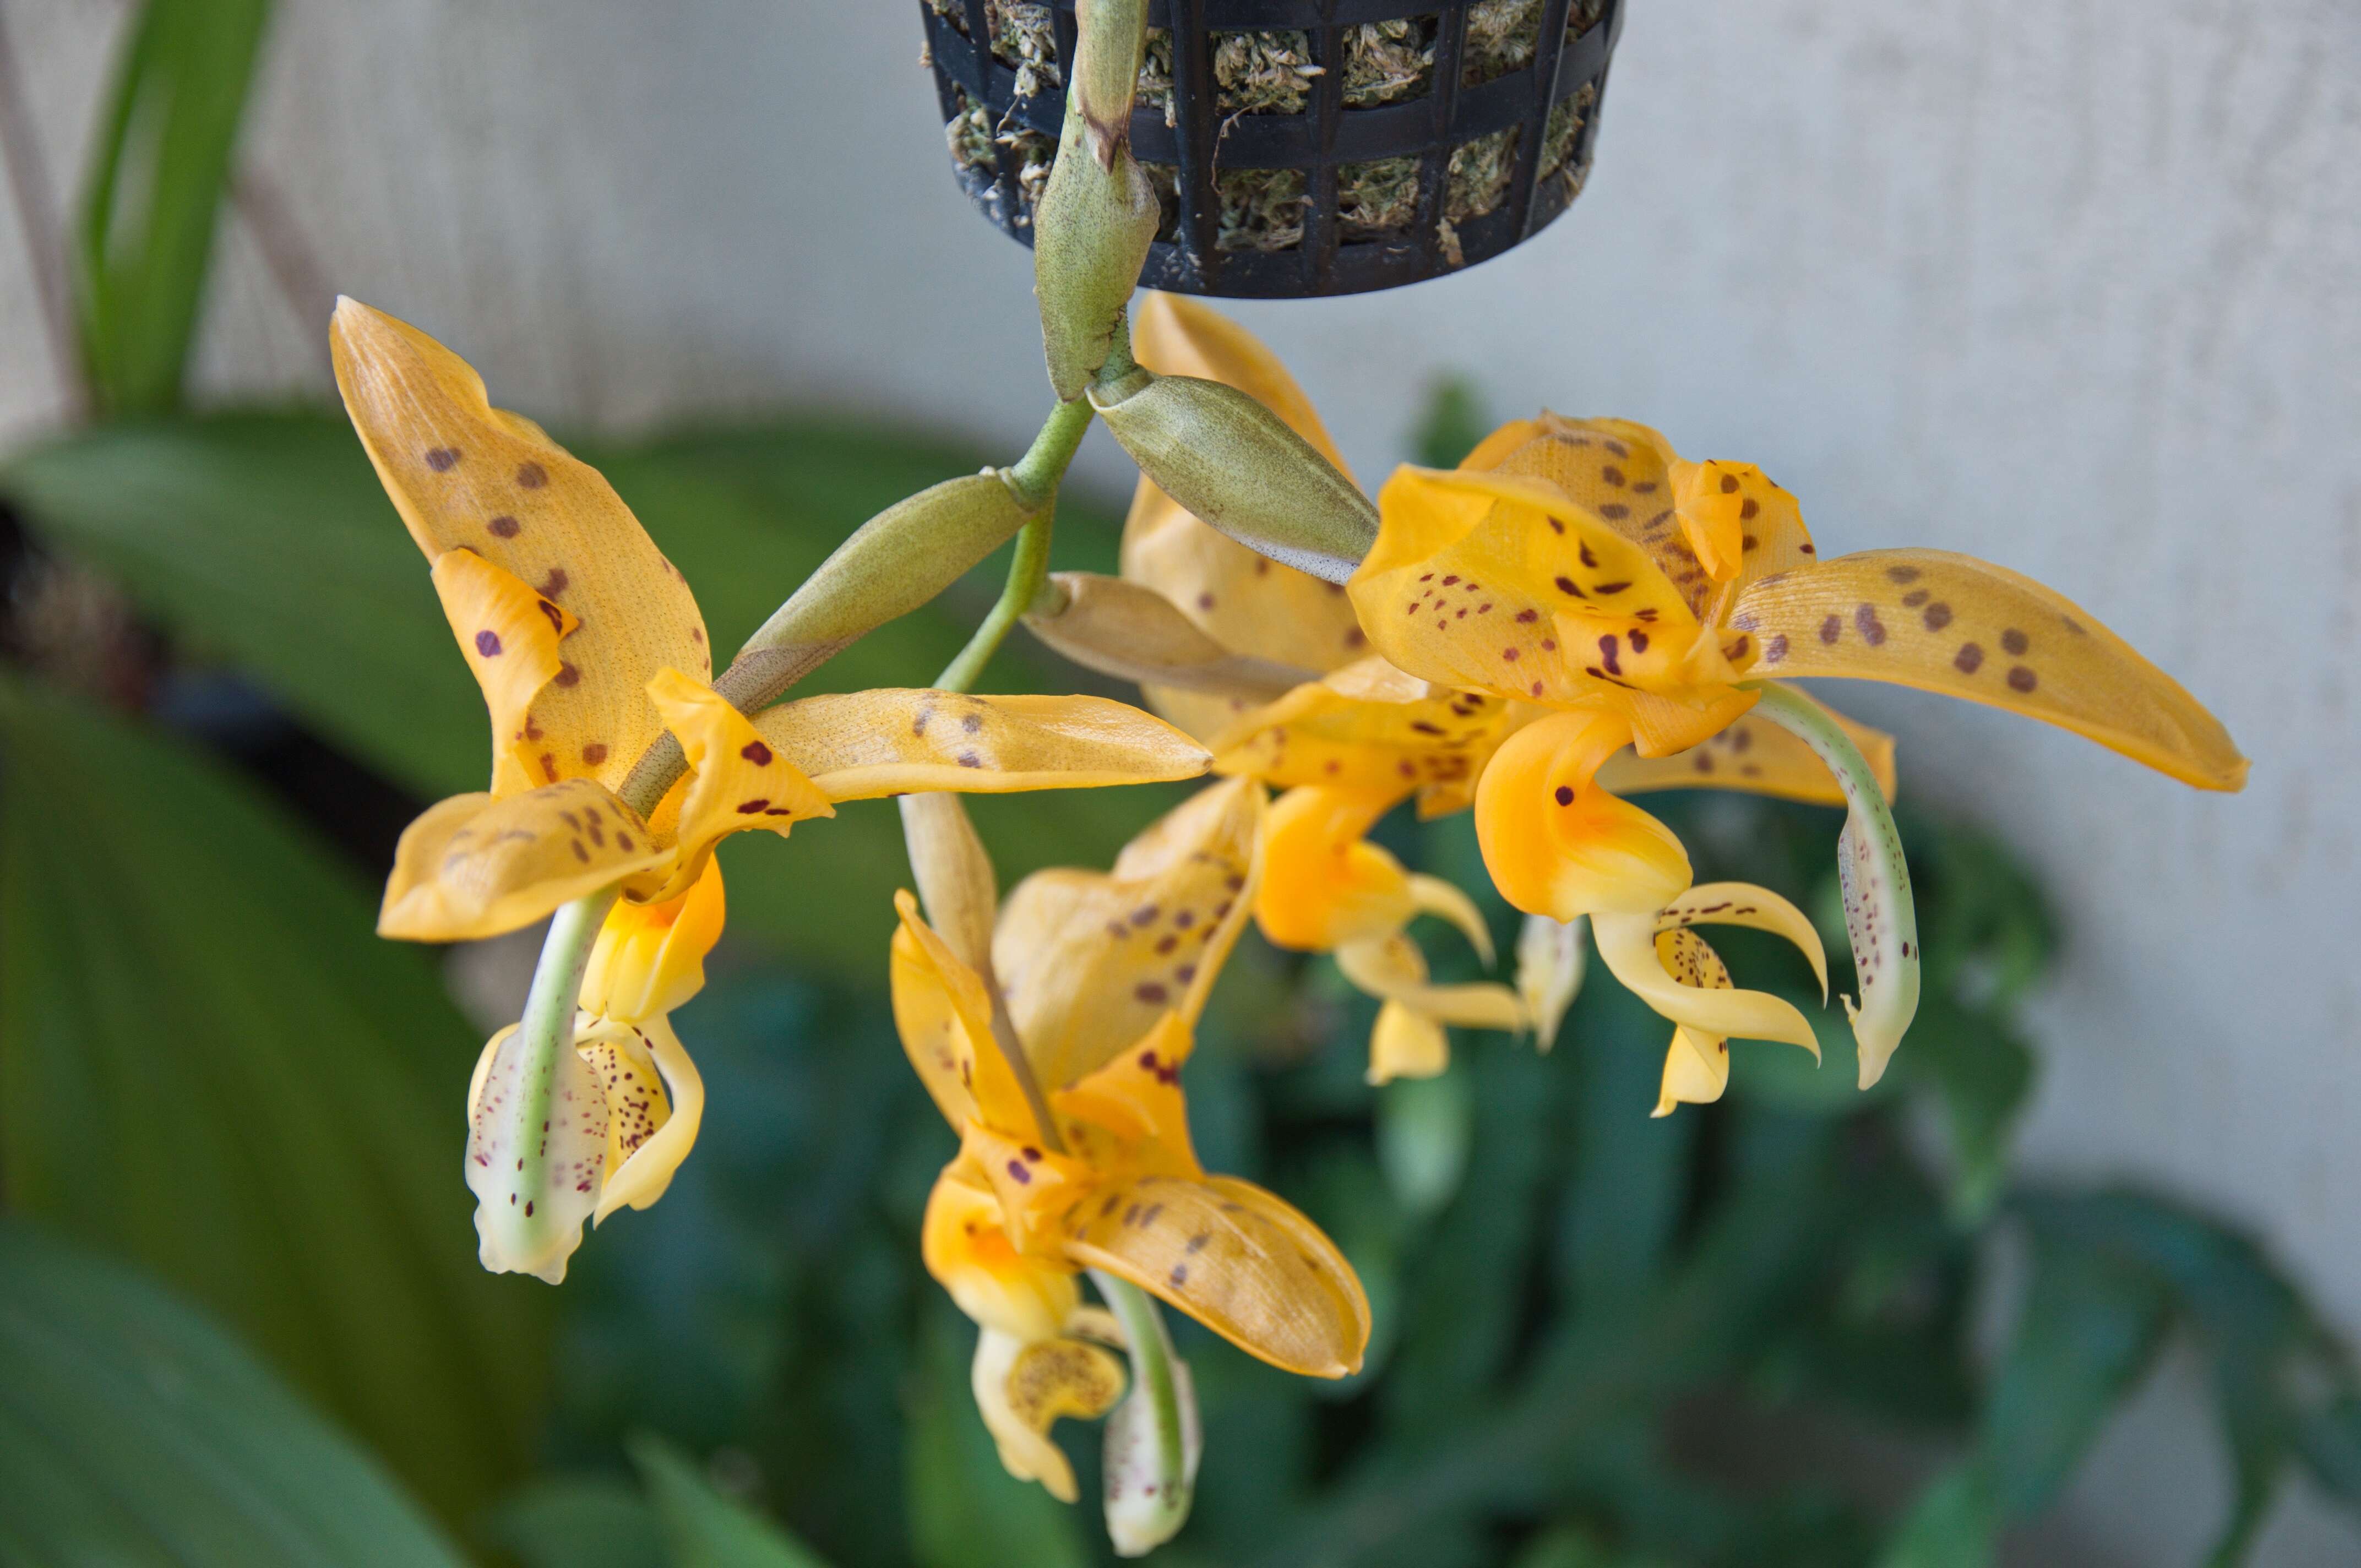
{"x": 240, "y": 1316}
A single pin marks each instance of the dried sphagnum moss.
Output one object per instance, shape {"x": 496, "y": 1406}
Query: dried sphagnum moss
{"x": 1565, "y": 122}
{"x": 1377, "y": 197}
{"x": 1263, "y": 73}
{"x": 1022, "y": 37}
{"x": 1153, "y": 89}
{"x": 1262, "y": 209}
{"x": 969, "y": 134}
{"x": 1387, "y": 62}
{"x": 1480, "y": 173}
{"x": 1503, "y": 35}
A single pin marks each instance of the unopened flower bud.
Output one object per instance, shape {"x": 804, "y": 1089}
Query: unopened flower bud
{"x": 896, "y": 561}
{"x": 1135, "y": 633}
{"x": 1235, "y": 465}
{"x": 1091, "y": 238}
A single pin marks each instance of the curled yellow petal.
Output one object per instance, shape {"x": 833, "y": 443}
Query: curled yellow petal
{"x": 649, "y": 957}
{"x": 1324, "y": 883}
{"x": 1757, "y": 756}
{"x": 1448, "y": 901}
{"x": 1135, "y": 633}
{"x": 1697, "y": 1071}
{"x": 1021, "y": 1389}
{"x": 1394, "y": 968}
{"x": 943, "y": 1011}
{"x": 1406, "y": 1043}
{"x": 1088, "y": 961}
{"x": 1238, "y": 1260}
{"x": 736, "y": 781}
{"x": 861, "y": 745}
{"x": 466, "y": 475}
{"x": 1555, "y": 843}
{"x": 1743, "y": 904}
{"x": 510, "y": 635}
{"x": 1963, "y": 627}
{"x": 1559, "y": 605}
{"x": 1627, "y": 944}
{"x": 655, "y": 1102}
{"x": 965, "y": 1246}
{"x": 474, "y": 866}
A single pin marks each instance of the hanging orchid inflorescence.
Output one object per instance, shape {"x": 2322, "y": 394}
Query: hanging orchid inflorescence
{"x": 1574, "y": 615}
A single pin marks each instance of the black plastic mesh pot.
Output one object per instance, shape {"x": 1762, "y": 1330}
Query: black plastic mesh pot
{"x": 1302, "y": 146}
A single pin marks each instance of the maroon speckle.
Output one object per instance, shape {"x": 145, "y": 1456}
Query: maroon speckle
{"x": 488, "y": 643}
{"x": 531, "y": 476}
{"x": 442, "y": 459}
{"x": 503, "y": 527}
{"x": 756, "y": 753}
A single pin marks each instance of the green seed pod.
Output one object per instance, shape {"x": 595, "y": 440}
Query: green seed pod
{"x": 1091, "y": 238}
{"x": 1235, "y": 464}
{"x": 893, "y": 563}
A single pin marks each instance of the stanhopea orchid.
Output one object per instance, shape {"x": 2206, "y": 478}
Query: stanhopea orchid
{"x": 1097, "y": 979}
{"x": 588, "y": 647}
{"x": 1640, "y": 601}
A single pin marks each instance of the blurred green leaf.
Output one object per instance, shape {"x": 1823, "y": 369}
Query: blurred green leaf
{"x": 2330, "y": 1440}
{"x": 706, "y": 1529}
{"x": 1982, "y": 1075}
{"x": 579, "y": 1522}
{"x": 1453, "y": 421}
{"x": 134, "y": 1432}
{"x": 161, "y": 168}
{"x": 2088, "y": 1331}
{"x": 1953, "y": 1524}
{"x": 965, "y": 1510}
{"x": 209, "y": 1063}
{"x": 1424, "y": 1125}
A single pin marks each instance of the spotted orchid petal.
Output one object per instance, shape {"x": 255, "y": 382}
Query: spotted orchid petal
{"x": 1238, "y": 1260}
{"x": 1757, "y": 756}
{"x": 943, "y": 1012}
{"x": 466, "y": 475}
{"x": 966, "y": 1247}
{"x": 1967, "y": 628}
{"x": 736, "y": 780}
{"x": 1324, "y": 883}
{"x": 477, "y": 866}
{"x": 862, "y": 745}
{"x": 1560, "y": 606}
{"x": 655, "y": 1102}
{"x": 1133, "y": 632}
{"x": 1022, "y": 1388}
{"x": 1696, "y": 1064}
{"x": 509, "y": 636}
{"x": 1129, "y": 1113}
{"x": 1367, "y": 727}
{"x": 1089, "y": 961}
{"x": 1627, "y": 944}
{"x": 1743, "y": 904}
{"x": 1880, "y": 918}
{"x": 1551, "y": 958}
{"x": 1558, "y": 845}
{"x": 649, "y": 957}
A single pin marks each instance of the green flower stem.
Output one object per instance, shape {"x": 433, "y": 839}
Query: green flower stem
{"x": 1027, "y": 569}
{"x": 1881, "y": 916}
{"x": 1153, "y": 1377}
{"x": 547, "y": 1027}
{"x": 1035, "y": 479}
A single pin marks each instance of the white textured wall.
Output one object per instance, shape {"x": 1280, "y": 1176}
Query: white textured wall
{"x": 2070, "y": 285}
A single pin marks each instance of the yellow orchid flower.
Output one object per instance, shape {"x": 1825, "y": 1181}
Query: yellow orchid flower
{"x": 1638, "y": 598}
{"x": 1102, "y": 977}
{"x": 588, "y": 647}
{"x": 1347, "y": 736}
